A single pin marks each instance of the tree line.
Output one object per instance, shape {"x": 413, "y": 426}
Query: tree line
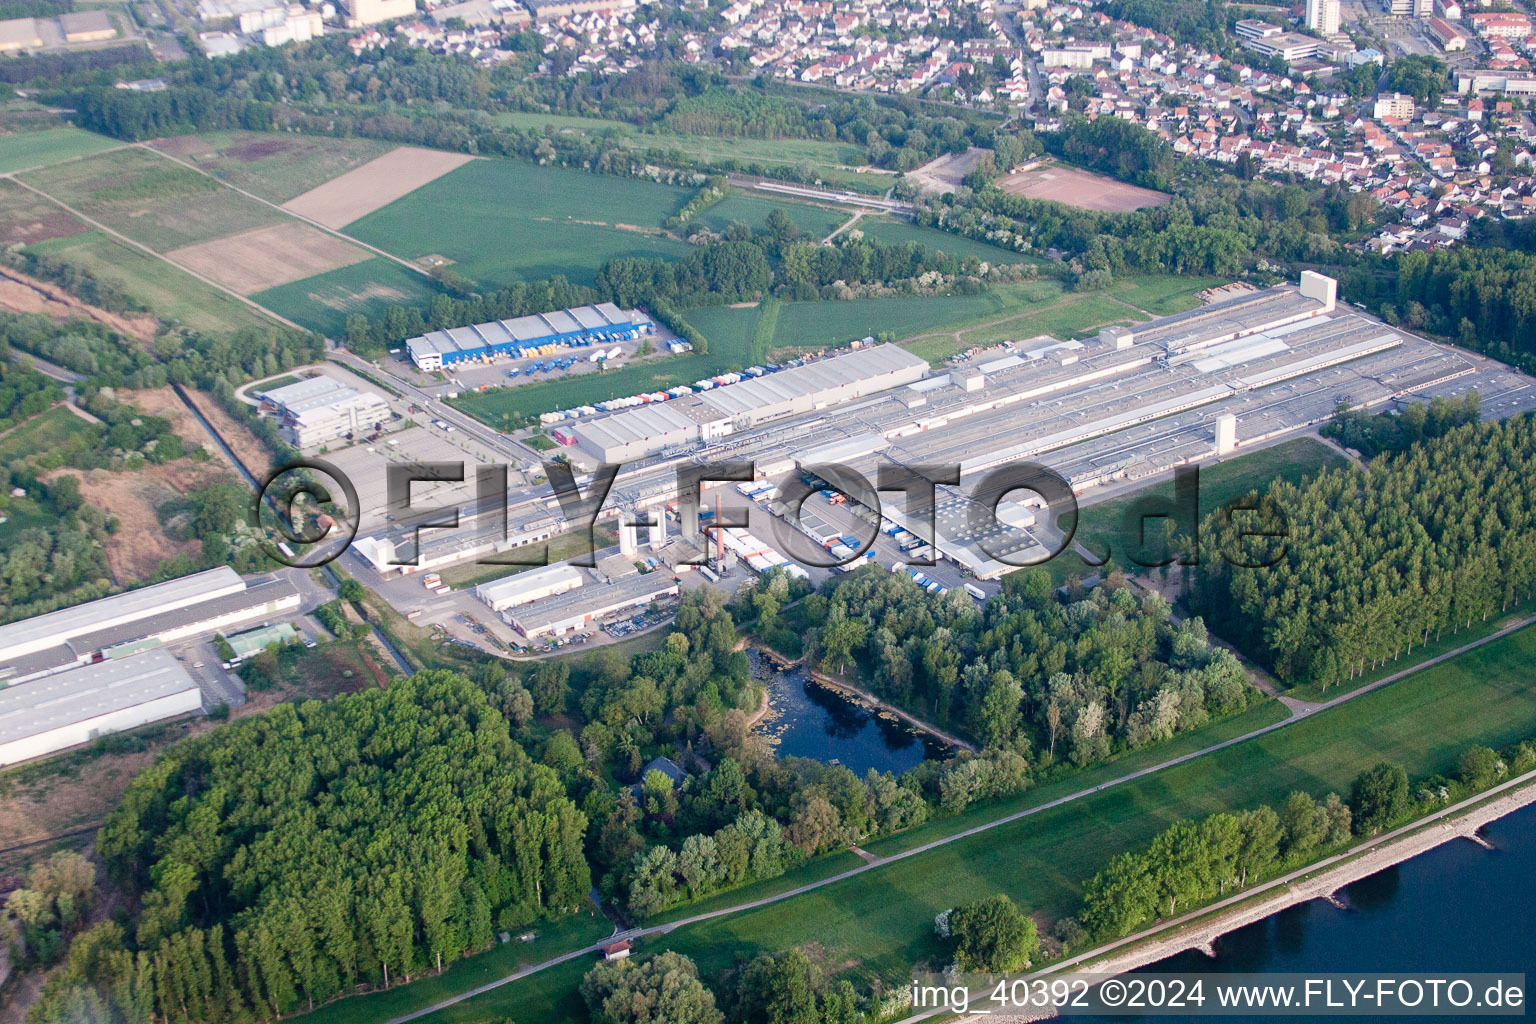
{"x": 1363, "y": 565}
{"x": 1192, "y": 863}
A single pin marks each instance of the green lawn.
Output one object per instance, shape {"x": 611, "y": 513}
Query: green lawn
{"x": 22, "y": 150}
{"x": 817, "y": 222}
{"x": 323, "y": 302}
{"x": 171, "y": 293}
{"x": 502, "y": 221}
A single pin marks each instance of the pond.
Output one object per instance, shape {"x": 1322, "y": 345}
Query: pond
{"x": 807, "y": 719}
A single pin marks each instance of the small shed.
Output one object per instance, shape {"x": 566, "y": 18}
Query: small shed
{"x": 616, "y": 950}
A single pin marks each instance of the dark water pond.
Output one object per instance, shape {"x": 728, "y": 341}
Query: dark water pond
{"x": 811, "y": 720}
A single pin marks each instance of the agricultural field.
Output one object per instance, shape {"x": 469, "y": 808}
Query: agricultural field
{"x": 833, "y": 162}
{"x": 374, "y": 185}
{"x": 880, "y": 923}
{"x": 263, "y": 258}
{"x": 26, "y": 217}
{"x": 500, "y": 221}
{"x": 151, "y": 200}
{"x": 275, "y": 167}
{"x": 323, "y": 303}
{"x": 173, "y": 295}
{"x": 22, "y": 150}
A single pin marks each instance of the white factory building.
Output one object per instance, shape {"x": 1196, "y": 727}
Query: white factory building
{"x": 647, "y": 430}
{"x": 138, "y": 620}
{"x": 576, "y": 609}
{"x": 69, "y": 676}
{"x": 322, "y": 409}
{"x": 76, "y": 707}
{"x": 529, "y": 586}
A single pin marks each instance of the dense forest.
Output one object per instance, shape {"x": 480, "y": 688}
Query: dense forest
{"x": 286, "y": 858}
{"x": 1051, "y": 678}
{"x": 1377, "y": 561}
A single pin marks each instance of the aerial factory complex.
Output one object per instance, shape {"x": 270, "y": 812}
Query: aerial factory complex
{"x": 1125, "y": 405}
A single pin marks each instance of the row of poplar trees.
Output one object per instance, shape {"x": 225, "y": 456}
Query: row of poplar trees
{"x": 1367, "y": 564}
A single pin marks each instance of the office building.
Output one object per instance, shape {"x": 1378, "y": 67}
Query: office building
{"x": 322, "y": 409}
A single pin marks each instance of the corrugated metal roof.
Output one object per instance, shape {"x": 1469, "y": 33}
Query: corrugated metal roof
{"x": 61, "y": 625}
{"x": 89, "y": 692}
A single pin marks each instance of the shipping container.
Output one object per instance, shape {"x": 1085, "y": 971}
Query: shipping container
{"x": 975, "y": 591}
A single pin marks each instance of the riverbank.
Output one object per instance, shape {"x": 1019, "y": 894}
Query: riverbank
{"x": 1200, "y": 928}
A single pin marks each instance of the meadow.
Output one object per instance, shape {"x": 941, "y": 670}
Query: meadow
{"x": 934, "y": 328}
{"x": 274, "y": 166}
{"x": 172, "y": 295}
{"x": 22, "y": 150}
{"x": 832, "y": 162}
{"x": 501, "y": 221}
{"x": 898, "y": 231}
{"x": 323, "y": 302}
{"x": 881, "y": 921}
{"x": 43, "y": 432}
{"x": 816, "y": 222}
{"x": 151, "y": 200}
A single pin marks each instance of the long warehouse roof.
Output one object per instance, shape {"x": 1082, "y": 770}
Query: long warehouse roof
{"x": 89, "y": 692}
{"x": 65, "y": 623}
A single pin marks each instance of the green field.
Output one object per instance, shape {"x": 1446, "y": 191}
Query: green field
{"x": 739, "y": 336}
{"x": 22, "y": 150}
{"x": 274, "y": 166}
{"x": 151, "y": 200}
{"x": 323, "y": 302}
{"x": 882, "y": 921}
{"x": 43, "y": 432}
{"x": 817, "y": 222}
{"x": 172, "y": 294}
{"x": 1041, "y": 307}
{"x": 502, "y": 221}
{"x": 829, "y": 160}
{"x": 898, "y": 231}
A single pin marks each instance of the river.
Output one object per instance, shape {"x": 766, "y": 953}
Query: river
{"x": 1457, "y": 907}
{"x": 807, "y": 719}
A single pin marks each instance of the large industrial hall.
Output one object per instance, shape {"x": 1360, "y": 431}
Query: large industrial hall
{"x": 1122, "y": 406}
